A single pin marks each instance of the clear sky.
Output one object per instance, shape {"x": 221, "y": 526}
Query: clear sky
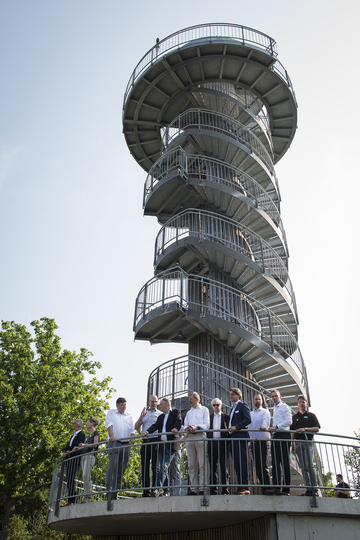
{"x": 74, "y": 243}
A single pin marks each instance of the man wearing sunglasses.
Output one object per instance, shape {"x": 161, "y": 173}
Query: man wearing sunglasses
{"x": 217, "y": 449}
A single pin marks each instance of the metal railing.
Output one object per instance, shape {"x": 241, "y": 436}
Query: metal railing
{"x": 209, "y": 122}
{"x": 201, "y": 225}
{"x": 198, "y": 168}
{"x": 172, "y": 380}
{"x": 211, "y": 32}
{"x": 246, "y": 100}
{"x": 208, "y": 296}
{"x": 221, "y": 466}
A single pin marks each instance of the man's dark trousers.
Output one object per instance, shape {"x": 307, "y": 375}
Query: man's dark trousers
{"x": 149, "y": 454}
{"x": 217, "y": 450}
{"x": 280, "y": 457}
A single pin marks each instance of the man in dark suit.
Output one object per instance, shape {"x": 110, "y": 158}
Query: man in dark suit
{"x": 217, "y": 448}
{"x": 239, "y": 419}
{"x": 72, "y": 462}
{"x": 170, "y": 420}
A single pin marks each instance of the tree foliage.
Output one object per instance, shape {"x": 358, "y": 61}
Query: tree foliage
{"x": 352, "y": 460}
{"x": 42, "y": 389}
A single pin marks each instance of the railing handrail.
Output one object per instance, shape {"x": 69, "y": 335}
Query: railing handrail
{"x": 277, "y": 336}
{"x": 262, "y": 119}
{"x": 156, "y": 172}
{"x": 208, "y": 363}
{"x": 182, "y": 433}
{"x": 74, "y": 482}
{"x": 238, "y": 132}
{"x": 265, "y": 256}
{"x": 254, "y": 191}
{"x": 178, "y": 274}
{"x": 211, "y": 31}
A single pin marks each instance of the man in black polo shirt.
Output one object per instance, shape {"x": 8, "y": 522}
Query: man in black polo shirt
{"x": 305, "y": 424}
{"x": 343, "y": 489}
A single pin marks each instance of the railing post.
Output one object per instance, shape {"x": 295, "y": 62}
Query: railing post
{"x": 109, "y": 480}
{"x": 205, "y": 498}
{"x": 270, "y": 332}
{"x": 181, "y": 290}
{"x": 173, "y": 382}
{"x": 157, "y": 381}
{"x": 313, "y": 502}
{"x": 144, "y": 307}
{"x": 262, "y": 256}
{"x": 163, "y": 292}
{"x": 59, "y": 490}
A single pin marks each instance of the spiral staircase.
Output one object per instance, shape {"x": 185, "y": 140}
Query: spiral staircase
{"x": 207, "y": 113}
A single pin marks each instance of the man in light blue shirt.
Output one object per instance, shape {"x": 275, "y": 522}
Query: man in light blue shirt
{"x": 149, "y": 449}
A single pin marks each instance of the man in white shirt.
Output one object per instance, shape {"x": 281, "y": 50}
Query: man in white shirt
{"x": 280, "y": 445}
{"x": 121, "y": 429}
{"x": 149, "y": 449}
{"x": 197, "y": 420}
{"x": 260, "y": 419}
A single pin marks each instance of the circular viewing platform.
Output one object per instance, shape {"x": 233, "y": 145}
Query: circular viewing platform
{"x": 112, "y": 511}
{"x": 182, "y": 514}
{"x": 161, "y": 86}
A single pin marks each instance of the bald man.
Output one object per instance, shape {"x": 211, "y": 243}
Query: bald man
{"x": 149, "y": 448}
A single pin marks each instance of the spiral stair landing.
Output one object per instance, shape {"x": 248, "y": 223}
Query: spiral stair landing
{"x": 208, "y": 117}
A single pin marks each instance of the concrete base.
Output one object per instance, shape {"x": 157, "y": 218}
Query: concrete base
{"x": 293, "y": 517}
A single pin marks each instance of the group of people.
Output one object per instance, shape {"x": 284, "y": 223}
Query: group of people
{"x": 228, "y": 433}
{"x": 209, "y": 439}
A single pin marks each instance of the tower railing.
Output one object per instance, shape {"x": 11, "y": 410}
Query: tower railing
{"x": 207, "y": 121}
{"x": 241, "y": 34}
{"x": 202, "y": 168}
{"x": 249, "y": 101}
{"x": 209, "y": 297}
{"x": 104, "y": 482}
{"x": 171, "y": 378}
{"x": 204, "y": 225}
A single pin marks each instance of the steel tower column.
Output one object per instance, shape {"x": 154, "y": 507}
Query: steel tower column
{"x": 207, "y": 113}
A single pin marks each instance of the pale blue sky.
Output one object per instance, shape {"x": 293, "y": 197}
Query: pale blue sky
{"x": 74, "y": 243}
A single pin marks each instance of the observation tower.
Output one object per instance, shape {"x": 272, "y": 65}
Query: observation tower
{"x": 207, "y": 113}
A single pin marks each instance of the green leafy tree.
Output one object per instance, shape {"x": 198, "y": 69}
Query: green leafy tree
{"x": 42, "y": 389}
{"x": 352, "y": 460}
{"x": 327, "y": 479}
